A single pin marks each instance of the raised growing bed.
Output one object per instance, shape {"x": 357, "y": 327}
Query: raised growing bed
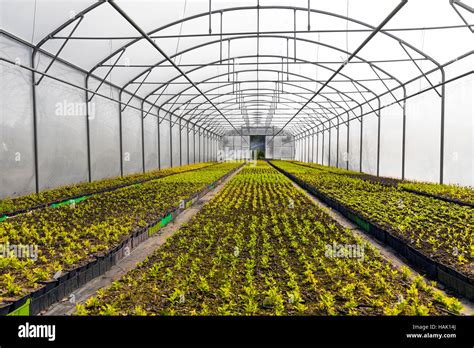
{"x": 446, "y": 199}
{"x": 55, "y": 290}
{"x": 446, "y": 275}
{"x": 88, "y": 189}
{"x": 404, "y": 185}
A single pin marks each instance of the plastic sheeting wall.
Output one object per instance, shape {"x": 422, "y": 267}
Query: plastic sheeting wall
{"x": 423, "y": 134}
{"x": 202, "y": 148}
{"x": 16, "y": 122}
{"x": 423, "y": 137}
{"x": 62, "y": 129}
{"x": 104, "y": 138}
{"x": 131, "y": 137}
{"x": 197, "y": 148}
{"x": 151, "y": 142}
{"x": 391, "y": 130}
{"x": 459, "y": 150}
{"x": 165, "y": 159}
{"x": 184, "y": 145}
{"x": 175, "y": 144}
{"x": 61, "y": 124}
{"x": 369, "y": 144}
{"x": 192, "y": 145}
{"x": 343, "y": 155}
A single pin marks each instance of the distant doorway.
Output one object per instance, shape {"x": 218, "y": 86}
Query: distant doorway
{"x": 257, "y": 143}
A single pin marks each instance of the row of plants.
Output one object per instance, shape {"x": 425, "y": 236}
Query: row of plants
{"x": 261, "y": 247}
{"x": 441, "y": 230}
{"x": 454, "y": 192}
{"x": 29, "y": 201}
{"x": 463, "y": 194}
{"x": 69, "y": 236}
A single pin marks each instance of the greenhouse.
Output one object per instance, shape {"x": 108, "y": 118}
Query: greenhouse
{"x": 236, "y": 158}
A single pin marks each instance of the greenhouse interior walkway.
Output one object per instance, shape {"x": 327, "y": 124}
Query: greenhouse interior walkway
{"x": 291, "y": 119}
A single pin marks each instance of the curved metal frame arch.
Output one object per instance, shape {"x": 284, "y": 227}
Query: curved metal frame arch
{"x": 284, "y": 103}
{"x": 275, "y": 56}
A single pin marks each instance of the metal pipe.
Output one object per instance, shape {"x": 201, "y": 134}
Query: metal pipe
{"x": 372, "y": 34}
{"x": 147, "y": 38}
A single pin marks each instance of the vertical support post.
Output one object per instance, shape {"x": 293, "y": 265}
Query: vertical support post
{"x": 208, "y": 146}
{"x": 180, "y": 144}
{"x": 212, "y": 147}
{"x": 404, "y": 131}
{"x": 301, "y": 149}
{"x": 204, "y": 146}
{"x": 378, "y": 139}
{"x": 337, "y": 144}
{"x": 296, "y": 149}
{"x": 88, "y": 132}
{"x": 322, "y": 149}
{"x": 441, "y": 153}
{"x": 300, "y": 155}
{"x": 210, "y": 18}
{"x": 187, "y": 143}
{"x": 214, "y": 139}
{"x": 309, "y": 15}
{"x": 294, "y": 35}
{"x": 159, "y": 139}
{"x": 171, "y": 143}
{"x": 35, "y": 121}
{"x": 317, "y": 147}
{"x": 312, "y": 145}
{"x": 120, "y": 133}
{"x": 360, "y": 149}
{"x": 306, "y": 148}
{"x": 348, "y": 143}
{"x": 308, "y": 141}
{"x": 309, "y": 146}
{"x": 143, "y": 136}
{"x": 242, "y": 143}
{"x": 220, "y": 40}
{"x": 329, "y": 147}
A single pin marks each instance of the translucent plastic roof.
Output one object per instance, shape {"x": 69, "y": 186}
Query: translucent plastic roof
{"x": 228, "y": 64}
